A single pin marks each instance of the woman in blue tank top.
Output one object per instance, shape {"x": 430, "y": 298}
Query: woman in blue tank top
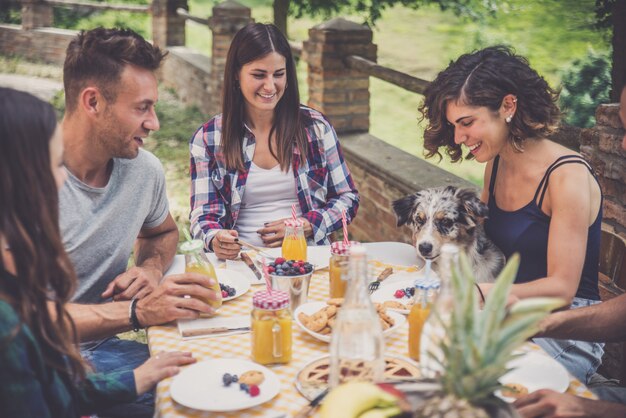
{"x": 544, "y": 201}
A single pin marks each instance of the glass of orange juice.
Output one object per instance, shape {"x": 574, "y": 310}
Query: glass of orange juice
{"x": 294, "y": 244}
{"x": 338, "y": 268}
{"x": 422, "y": 302}
{"x": 271, "y": 327}
{"x": 196, "y": 262}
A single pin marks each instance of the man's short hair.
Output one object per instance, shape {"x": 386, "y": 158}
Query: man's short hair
{"x": 99, "y": 56}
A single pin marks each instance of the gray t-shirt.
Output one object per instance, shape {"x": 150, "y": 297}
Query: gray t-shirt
{"x": 100, "y": 225}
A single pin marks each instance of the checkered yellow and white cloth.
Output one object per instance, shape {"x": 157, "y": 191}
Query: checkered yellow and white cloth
{"x": 305, "y": 348}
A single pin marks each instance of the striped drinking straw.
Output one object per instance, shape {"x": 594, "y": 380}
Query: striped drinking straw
{"x": 293, "y": 212}
{"x": 344, "y": 224}
{"x": 266, "y": 274}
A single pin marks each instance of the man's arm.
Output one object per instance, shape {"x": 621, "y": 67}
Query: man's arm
{"x": 154, "y": 251}
{"x": 602, "y": 322}
{"x": 167, "y": 303}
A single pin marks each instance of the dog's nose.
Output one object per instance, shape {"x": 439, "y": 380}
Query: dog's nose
{"x": 425, "y": 248}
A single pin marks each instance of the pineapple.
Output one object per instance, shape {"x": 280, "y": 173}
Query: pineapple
{"x": 478, "y": 344}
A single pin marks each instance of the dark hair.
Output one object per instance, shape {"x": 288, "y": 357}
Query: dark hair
{"x": 99, "y": 56}
{"x": 29, "y": 222}
{"x": 254, "y": 41}
{"x": 483, "y": 78}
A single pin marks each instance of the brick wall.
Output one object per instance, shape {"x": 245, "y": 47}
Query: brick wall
{"x": 601, "y": 146}
{"x": 41, "y": 45}
{"x": 189, "y": 74}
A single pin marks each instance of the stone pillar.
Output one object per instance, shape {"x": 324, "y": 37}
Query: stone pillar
{"x": 340, "y": 93}
{"x": 36, "y": 14}
{"x": 168, "y": 29}
{"x": 602, "y": 147}
{"x": 228, "y": 17}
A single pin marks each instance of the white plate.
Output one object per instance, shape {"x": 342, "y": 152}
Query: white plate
{"x": 234, "y": 279}
{"x": 200, "y": 386}
{"x": 312, "y": 307}
{"x": 397, "y": 253}
{"x": 536, "y": 371}
{"x": 318, "y": 255}
{"x": 386, "y": 292}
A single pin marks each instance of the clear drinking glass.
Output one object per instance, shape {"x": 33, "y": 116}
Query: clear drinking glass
{"x": 356, "y": 345}
{"x": 196, "y": 262}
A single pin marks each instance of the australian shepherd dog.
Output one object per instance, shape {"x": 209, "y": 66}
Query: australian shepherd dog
{"x": 450, "y": 215}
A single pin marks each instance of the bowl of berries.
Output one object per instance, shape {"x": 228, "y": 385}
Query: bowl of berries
{"x": 292, "y": 276}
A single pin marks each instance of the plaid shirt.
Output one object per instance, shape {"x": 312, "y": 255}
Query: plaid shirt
{"x": 31, "y": 388}
{"x": 324, "y": 183}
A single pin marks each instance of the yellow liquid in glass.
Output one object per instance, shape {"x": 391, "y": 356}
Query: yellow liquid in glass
{"x": 207, "y": 270}
{"x": 294, "y": 248}
{"x": 271, "y": 336}
{"x": 417, "y": 318}
{"x": 337, "y": 286}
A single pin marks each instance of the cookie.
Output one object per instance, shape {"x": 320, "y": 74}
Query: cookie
{"x": 335, "y": 301}
{"x": 317, "y": 321}
{"x": 252, "y": 377}
{"x": 392, "y": 304}
{"x": 514, "y": 390}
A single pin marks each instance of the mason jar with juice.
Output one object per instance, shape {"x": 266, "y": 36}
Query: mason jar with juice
{"x": 338, "y": 268}
{"x": 424, "y": 295}
{"x": 271, "y": 327}
{"x": 294, "y": 243}
{"x": 196, "y": 262}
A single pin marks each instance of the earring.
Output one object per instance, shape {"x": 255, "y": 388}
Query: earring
{"x": 509, "y": 118}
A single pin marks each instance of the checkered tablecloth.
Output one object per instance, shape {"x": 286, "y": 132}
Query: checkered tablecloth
{"x": 305, "y": 348}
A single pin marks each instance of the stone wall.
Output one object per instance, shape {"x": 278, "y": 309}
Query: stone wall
{"x": 40, "y": 45}
{"x": 601, "y": 146}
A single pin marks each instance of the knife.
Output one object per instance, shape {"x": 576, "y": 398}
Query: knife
{"x": 307, "y": 410}
{"x": 210, "y": 331}
{"x": 246, "y": 258}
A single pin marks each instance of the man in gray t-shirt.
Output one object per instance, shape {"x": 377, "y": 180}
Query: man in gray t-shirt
{"x": 114, "y": 200}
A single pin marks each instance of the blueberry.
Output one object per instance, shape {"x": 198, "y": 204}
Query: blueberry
{"x": 231, "y": 292}
{"x": 227, "y": 379}
{"x": 243, "y": 386}
{"x": 234, "y": 378}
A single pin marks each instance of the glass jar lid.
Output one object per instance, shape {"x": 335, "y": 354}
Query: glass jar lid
{"x": 341, "y": 248}
{"x": 192, "y": 246}
{"x": 278, "y": 299}
{"x": 424, "y": 283}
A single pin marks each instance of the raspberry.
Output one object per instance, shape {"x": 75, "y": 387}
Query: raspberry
{"x": 271, "y": 269}
{"x": 254, "y": 390}
{"x": 224, "y": 294}
{"x": 279, "y": 260}
{"x": 399, "y": 294}
{"x": 301, "y": 270}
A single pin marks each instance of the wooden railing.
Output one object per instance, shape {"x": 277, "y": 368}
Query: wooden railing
{"x": 185, "y": 13}
{"x": 100, "y": 6}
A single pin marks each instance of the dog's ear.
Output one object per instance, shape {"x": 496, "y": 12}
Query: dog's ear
{"x": 476, "y": 210}
{"x": 403, "y": 208}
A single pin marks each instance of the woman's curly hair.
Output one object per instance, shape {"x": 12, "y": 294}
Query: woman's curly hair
{"x": 483, "y": 78}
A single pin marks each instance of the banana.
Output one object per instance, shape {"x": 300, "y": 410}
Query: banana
{"x": 353, "y": 398}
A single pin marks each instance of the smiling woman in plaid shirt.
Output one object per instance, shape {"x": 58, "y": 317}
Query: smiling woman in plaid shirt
{"x": 265, "y": 153}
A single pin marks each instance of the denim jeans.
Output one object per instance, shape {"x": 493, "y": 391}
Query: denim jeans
{"x": 114, "y": 354}
{"x": 580, "y": 358}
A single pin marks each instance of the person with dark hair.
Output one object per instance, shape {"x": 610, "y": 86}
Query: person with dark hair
{"x": 264, "y": 153}
{"x": 602, "y": 322}
{"x": 544, "y": 200}
{"x": 114, "y": 200}
{"x": 41, "y": 370}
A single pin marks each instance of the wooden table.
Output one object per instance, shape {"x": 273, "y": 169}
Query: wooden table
{"x": 305, "y": 348}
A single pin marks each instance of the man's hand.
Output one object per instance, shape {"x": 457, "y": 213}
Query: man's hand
{"x": 273, "y": 232}
{"x": 548, "y": 403}
{"x": 135, "y": 283}
{"x": 159, "y": 367}
{"x": 179, "y": 296}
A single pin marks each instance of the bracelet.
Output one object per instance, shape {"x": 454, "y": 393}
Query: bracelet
{"x": 132, "y": 316}
{"x": 480, "y": 291}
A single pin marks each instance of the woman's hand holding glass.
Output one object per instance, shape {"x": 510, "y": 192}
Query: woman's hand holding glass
{"x": 273, "y": 232}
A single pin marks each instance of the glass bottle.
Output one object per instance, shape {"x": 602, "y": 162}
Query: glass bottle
{"x": 338, "y": 268}
{"x": 196, "y": 262}
{"x": 357, "y": 345}
{"x": 271, "y": 327}
{"x": 433, "y": 332}
{"x": 294, "y": 244}
{"x": 425, "y": 292}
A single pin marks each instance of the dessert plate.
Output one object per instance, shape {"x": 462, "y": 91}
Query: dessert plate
{"x": 200, "y": 386}
{"x": 313, "y": 307}
{"x": 234, "y": 279}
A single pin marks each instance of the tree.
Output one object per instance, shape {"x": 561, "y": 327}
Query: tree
{"x": 371, "y": 10}
{"x": 613, "y": 13}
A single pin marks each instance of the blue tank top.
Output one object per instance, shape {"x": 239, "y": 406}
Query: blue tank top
{"x": 525, "y": 231}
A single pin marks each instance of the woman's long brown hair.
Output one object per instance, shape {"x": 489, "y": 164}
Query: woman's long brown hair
{"x": 29, "y": 224}
{"x": 251, "y": 43}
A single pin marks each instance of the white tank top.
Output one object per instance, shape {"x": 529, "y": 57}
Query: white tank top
{"x": 267, "y": 197}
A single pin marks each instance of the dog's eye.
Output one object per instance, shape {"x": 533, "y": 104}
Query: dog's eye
{"x": 419, "y": 220}
{"x": 446, "y": 223}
